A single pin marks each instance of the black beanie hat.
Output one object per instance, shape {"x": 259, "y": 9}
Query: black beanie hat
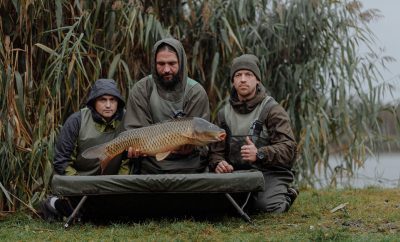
{"x": 246, "y": 62}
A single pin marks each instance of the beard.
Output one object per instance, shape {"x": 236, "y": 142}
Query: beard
{"x": 169, "y": 84}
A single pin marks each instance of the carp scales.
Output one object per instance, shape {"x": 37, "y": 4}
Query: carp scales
{"x": 158, "y": 140}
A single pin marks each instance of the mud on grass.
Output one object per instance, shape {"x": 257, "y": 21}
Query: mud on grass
{"x": 370, "y": 214}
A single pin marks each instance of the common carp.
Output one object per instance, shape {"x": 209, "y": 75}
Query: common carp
{"x": 158, "y": 140}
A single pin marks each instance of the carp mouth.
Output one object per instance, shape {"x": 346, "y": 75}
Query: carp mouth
{"x": 221, "y": 136}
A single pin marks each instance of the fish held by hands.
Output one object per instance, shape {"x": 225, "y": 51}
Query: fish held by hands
{"x": 158, "y": 140}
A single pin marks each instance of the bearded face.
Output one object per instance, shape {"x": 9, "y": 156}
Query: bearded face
{"x": 167, "y": 66}
{"x": 169, "y": 83}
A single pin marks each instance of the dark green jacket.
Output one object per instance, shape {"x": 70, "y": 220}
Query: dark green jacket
{"x": 281, "y": 150}
{"x": 142, "y": 110}
{"x": 87, "y": 128}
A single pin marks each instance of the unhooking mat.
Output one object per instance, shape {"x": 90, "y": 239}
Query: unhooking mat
{"x": 161, "y": 194}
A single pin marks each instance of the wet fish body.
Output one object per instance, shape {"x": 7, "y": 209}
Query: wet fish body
{"x": 159, "y": 139}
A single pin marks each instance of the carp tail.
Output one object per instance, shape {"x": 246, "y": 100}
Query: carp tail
{"x": 98, "y": 152}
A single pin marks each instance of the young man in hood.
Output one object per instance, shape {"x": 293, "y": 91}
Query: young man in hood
{"x": 99, "y": 122}
{"x": 259, "y": 137}
{"x": 165, "y": 94}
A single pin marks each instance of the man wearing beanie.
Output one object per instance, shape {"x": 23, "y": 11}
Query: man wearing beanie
{"x": 259, "y": 137}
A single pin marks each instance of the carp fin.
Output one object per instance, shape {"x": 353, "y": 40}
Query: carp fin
{"x": 104, "y": 164}
{"x": 187, "y": 136}
{"x": 162, "y": 156}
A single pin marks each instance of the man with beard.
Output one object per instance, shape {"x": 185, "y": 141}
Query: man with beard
{"x": 166, "y": 94}
{"x": 259, "y": 137}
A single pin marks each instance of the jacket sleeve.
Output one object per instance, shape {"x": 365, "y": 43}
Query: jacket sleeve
{"x": 196, "y": 103}
{"x": 282, "y": 148}
{"x": 66, "y": 143}
{"x": 217, "y": 150}
{"x": 138, "y": 113}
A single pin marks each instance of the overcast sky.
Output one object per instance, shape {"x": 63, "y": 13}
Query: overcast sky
{"x": 387, "y": 31}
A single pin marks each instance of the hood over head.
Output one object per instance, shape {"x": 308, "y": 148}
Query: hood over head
{"x": 173, "y": 93}
{"x": 105, "y": 87}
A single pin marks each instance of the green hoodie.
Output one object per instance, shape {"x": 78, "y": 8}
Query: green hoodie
{"x": 149, "y": 102}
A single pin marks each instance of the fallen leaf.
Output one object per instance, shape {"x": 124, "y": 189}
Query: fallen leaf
{"x": 341, "y": 206}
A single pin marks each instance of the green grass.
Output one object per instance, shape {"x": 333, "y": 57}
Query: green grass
{"x": 371, "y": 214}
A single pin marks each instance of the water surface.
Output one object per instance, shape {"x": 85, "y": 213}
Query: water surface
{"x": 382, "y": 170}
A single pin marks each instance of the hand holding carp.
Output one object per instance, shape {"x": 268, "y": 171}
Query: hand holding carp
{"x": 158, "y": 140}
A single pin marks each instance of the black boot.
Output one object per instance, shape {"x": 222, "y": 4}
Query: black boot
{"x": 292, "y": 194}
{"x": 47, "y": 212}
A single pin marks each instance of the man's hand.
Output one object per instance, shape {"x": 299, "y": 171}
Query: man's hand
{"x": 223, "y": 167}
{"x": 249, "y": 151}
{"x": 134, "y": 153}
{"x": 184, "y": 150}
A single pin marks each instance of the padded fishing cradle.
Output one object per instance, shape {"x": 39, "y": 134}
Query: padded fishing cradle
{"x": 135, "y": 195}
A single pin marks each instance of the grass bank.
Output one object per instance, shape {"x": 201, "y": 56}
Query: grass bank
{"x": 370, "y": 214}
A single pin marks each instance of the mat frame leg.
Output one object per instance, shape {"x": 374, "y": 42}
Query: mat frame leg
{"x": 76, "y": 210}
{"x": 238, "y": 208}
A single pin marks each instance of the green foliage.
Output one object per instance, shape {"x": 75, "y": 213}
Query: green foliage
{"x": 52, "y": 51}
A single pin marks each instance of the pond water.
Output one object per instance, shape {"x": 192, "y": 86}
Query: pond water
{"x": 382, "y": 170}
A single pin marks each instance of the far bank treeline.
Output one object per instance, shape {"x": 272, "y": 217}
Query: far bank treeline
{"x": 52, "y": 51}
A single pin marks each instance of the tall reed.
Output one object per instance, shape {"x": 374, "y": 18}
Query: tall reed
{"x": 52, "y": 51}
